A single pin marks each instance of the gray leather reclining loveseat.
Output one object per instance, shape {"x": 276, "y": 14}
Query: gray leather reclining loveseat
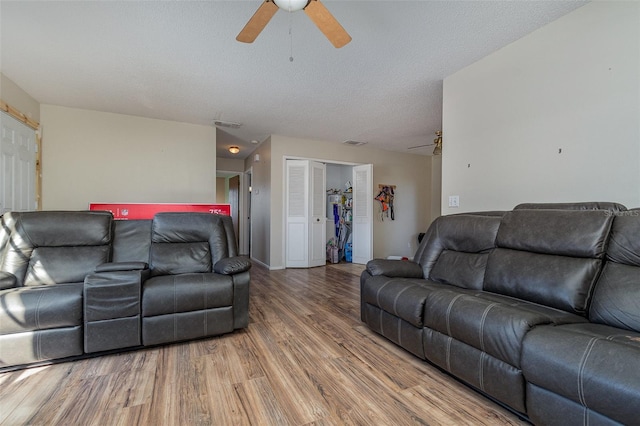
{"x": 79, "y": 283}
{"x": 538, "y": 308}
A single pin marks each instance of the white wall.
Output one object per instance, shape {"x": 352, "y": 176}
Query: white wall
{"x": 410, "y": 173}
{"x": 573, "y": 85}
{"x": 91, "y": 156}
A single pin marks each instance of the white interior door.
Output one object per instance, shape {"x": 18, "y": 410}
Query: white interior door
{"x": 318, "y": 225}
{"x": 297, "y": 208}
{"x": 18, "y": 150}
{"x": 305, "y": 231}
{"x": 362, "y": 232}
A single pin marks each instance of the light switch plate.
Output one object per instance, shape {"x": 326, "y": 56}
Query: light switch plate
{"x": 454, "y": 201}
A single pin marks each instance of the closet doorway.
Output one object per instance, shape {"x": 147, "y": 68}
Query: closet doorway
{"x": 309, "y": 206}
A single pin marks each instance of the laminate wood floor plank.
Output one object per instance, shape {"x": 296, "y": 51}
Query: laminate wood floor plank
{"x": 295, "y": 393}
{"x": 22, "y": 395}
{"x": 305, "y": 359}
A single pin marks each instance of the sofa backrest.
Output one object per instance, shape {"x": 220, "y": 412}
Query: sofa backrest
{"x": 587, "y": 205}
{"x": 550, "y": 257}
{"x": 131, "y": 240}
{"x": 456, "y": 248}
{"x": 52, "y": 247}
{"x": 616, "y": 298}
{"x": 189, "y": 242}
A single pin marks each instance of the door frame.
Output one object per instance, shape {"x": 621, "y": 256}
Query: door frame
{"x": 245, "y": 224}
{"x": 284, "y": 189}
{"x": 242, "y": 207}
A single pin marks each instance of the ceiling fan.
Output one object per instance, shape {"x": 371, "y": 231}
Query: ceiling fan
{"x": 437, "y": 142}
{"x": 314, "y": 9}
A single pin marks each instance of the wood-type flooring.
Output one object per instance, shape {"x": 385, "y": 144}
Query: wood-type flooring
{"x": 305, "y": 359}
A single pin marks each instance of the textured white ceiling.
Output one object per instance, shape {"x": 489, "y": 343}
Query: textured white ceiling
{"x": 179, "y": 60}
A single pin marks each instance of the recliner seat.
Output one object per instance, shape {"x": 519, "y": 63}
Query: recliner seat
{"x": 47, "y": 255}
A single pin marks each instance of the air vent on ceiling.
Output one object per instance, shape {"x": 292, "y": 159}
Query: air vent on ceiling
{"x": 354, "y": 143}
{"x": 230, "y": 124}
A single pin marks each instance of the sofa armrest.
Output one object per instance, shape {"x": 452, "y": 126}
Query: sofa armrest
{"x": 121, "y": 266}
{"x": 232, "y": 265}
{"x": 112, "y": 307}
{"x": 7, "y": 280}
{"x": 395, "y": 268}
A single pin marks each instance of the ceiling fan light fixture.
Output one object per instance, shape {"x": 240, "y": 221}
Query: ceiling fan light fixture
{"x": 438, "y": 142}
{"x": 291, "y": 5}
{"x": 234, "y": 149}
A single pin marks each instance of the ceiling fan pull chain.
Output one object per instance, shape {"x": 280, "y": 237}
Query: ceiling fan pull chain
{"x": 290, "y": 37}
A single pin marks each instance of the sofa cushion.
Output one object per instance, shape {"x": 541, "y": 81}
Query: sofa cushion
{"x": 54, "y": 246}
{"x": 53, "y": 265}
{"x": 454, "y": 249}
{"x": 491, "y": 323}
{"x": 558, "y": 232}
{"x": 66, "y": 228}
{"x": 40, "y": 308}
{"x": 616, "y": 299}
{"x": 558, "y": 281}
{"x": 180, "y": 258}
{"x": 550, "y": 257}
{"x": 465, "y": 270}
{"x": 401, "y": 297}
{"x": 131, "y": 240}
{"x": 170, "y": 294}
{"x": 179, "y": 242}
{"x": 594, "y": 365}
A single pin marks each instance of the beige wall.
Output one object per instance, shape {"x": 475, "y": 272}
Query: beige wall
{"x": 221, "y": 190}
{"x": 410, "y": 173}
{"x": 261, "y": 203}
{"x": 572, "y": 85}
{"x": 91, "y": 156}
{"x": 436, "y": 186}
{"x": 13, "y": 95}
{"x": 230, "y": 165}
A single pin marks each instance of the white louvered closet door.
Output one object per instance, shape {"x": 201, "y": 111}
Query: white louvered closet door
{"x": 305, "y": 200}
{"x": 362, "y": 214}
{"x": 318, "y": 226}
{"x": 297, "y": 211}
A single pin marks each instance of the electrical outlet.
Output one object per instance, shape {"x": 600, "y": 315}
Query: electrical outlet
{"x": 454, "y": 201}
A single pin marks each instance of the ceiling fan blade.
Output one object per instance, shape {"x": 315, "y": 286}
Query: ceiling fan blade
{"x": 325, "y": 21}
{"x": 421, "y": 146}
{"x": 258, "y": 21}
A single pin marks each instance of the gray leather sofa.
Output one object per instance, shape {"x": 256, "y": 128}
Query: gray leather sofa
{"x": 75, "y": 284}
{"x": 537, "y": 308}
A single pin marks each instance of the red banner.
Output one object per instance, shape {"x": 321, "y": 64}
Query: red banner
{"x": 131, "y": 211}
